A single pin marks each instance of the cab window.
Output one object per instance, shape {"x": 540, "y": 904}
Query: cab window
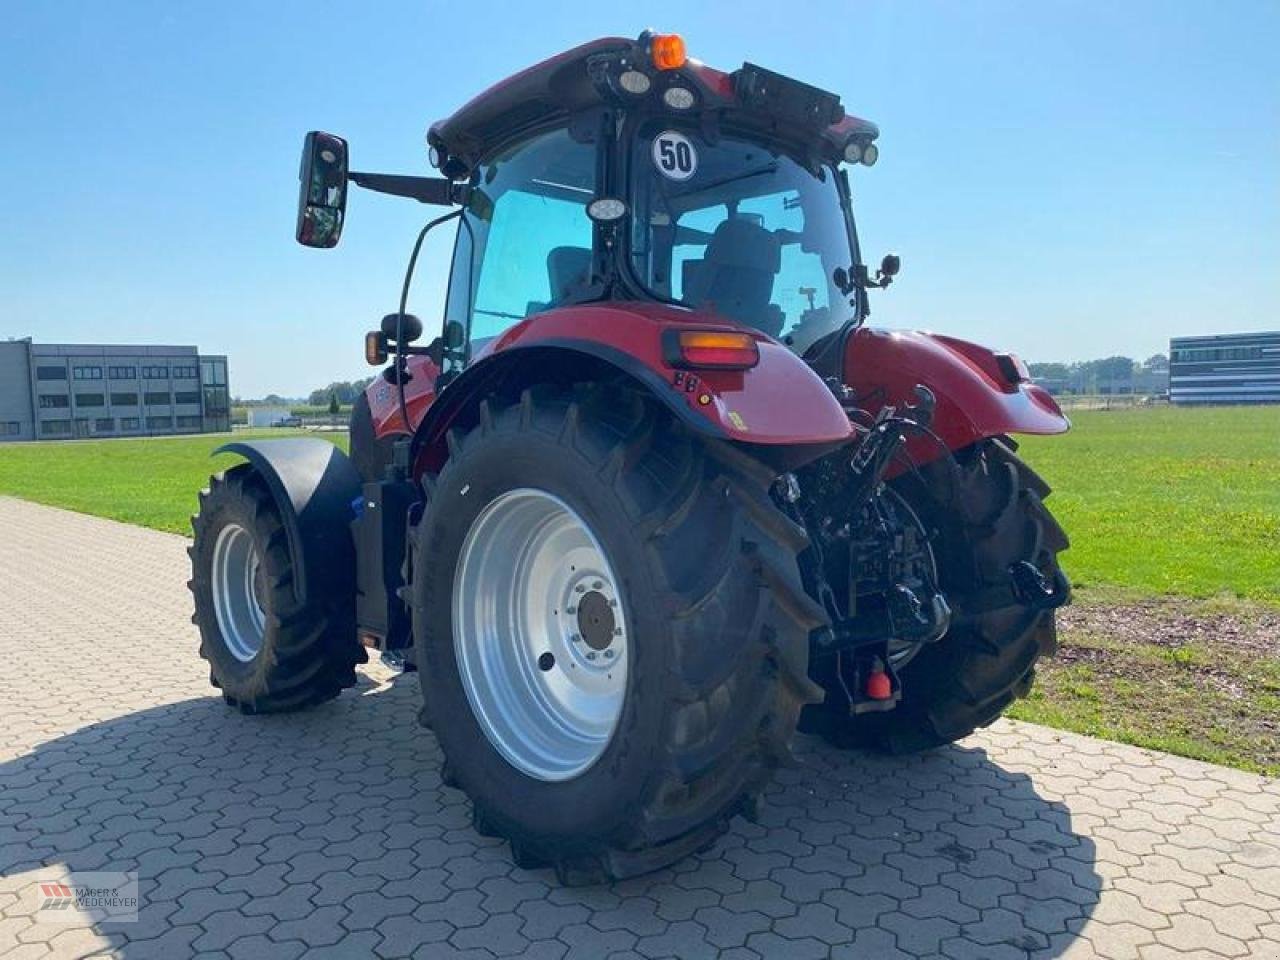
{"x": 528, "y": 248}
{"x": 739, "y": 230}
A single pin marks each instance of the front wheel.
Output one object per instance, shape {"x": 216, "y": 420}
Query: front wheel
{"x": 611, "y": 628}
{"x": 267, "y": 652}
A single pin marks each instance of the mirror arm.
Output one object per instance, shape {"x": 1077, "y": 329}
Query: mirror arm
{"x": 433, "y": 350}
{"x": 433, "y": 190}
{"x": 862, "y": 278}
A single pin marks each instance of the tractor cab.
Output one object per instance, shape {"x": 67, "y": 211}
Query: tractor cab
{"x": 622, "y": 170}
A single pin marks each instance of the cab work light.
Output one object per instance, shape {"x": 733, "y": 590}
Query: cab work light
{"x": 710, "y": 349}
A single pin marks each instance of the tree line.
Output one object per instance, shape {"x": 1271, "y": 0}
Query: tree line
{"x": 1106, "y": 375}
{"x": 343, "y": 392}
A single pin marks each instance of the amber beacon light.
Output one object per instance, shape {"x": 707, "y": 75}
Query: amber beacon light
{"x": 667, "y": 51}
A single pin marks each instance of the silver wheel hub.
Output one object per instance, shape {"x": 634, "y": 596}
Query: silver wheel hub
{"x": 540, "y": 634}
{"x": 237, "y": 592}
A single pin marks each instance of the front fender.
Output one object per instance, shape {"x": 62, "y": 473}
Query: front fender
{"x": 780, "y": 403}
{"x": 975, "y": 402}
{"x": 313, "y": 485}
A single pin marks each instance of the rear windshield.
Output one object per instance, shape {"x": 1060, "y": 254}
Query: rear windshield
{"x": 742, "y": 231}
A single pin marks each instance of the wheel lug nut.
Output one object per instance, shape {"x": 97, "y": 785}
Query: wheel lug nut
{"x": 617, "y": 631}
{"x": 570, "y": 610}
{"x": 576, "y": 638}
{"x": 608, "y": 654}
{"x": 580, "y": 589}
{"x": 597, "y": 585}
{"x": 591, "y": 655}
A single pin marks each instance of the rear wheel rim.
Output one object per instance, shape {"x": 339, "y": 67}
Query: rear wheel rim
{"x": 237, "y": 606}
{"x": 540, "y": 634}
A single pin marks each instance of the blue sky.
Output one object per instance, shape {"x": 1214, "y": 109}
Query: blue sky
{"x": 1068, "y": 180}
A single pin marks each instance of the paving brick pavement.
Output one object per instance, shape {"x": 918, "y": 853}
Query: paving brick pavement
{"x": 329, "y": 833}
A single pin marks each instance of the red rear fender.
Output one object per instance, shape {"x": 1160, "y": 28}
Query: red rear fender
{"x": 975, "y": 400}
{"x": 778, "y": 402}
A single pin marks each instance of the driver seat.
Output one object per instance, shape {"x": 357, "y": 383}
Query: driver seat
{"x": 568, "y": 270}
{"x": 735, "y": 276}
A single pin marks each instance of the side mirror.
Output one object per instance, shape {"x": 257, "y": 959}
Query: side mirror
{"x": 322, "y": 199}
{"x": 410, "y": 327}
{"x": 455, "y": 335}
{"x": 890, "y": 265}
{"x": 447, "y": 344}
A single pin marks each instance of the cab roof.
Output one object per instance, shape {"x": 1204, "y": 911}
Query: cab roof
{"x": 795, "y": 115}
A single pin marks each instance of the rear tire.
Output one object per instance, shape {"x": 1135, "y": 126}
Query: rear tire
{"x": 266, "y": 652}
{"x": 716, "y": 630}
{"x": 982, "y": 518}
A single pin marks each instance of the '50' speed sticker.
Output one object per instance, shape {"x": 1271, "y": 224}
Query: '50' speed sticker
{"x": 674, "y": 155}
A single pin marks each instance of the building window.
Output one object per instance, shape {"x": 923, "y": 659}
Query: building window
{"x": 90, "y": 400}
{"x": 215, "y": 400}
{"x": 187, "y": 396}
{"x": 214, "y": 372}
{"x": 159, "y": 423}
{"x": 54, "y": 401}
{"x": 185, "y": 373}
{"x": 56, "y": 428}
{"x": 155, "y": 397}
{"x": 155, "y": 373}
{"x": 124, "y": 399}
{"x": 11, "y": 428}
{"x": 87, "y": 373}
{"x": 123, "y": 373}
{"x": 128, "y": 423}
{"x": 51, "y": 373}
{"x": 190, "y": 423}
{"x": 104, "y": 425}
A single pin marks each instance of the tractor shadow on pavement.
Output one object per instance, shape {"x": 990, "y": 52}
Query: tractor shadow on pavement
{"x": 331, "y": 828}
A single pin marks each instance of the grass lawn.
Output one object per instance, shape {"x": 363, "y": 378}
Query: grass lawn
{"x": 1169, "y": 501}
{"x": 1192, "y": 677}
{"x": 1174, "y": 518}
{"x": 152, "y": 482}
{"x": 1156, "y": 500}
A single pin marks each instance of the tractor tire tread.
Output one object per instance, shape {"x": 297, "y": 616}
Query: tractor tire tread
{"x": 306, "y": 663}
{"x": 734, "y": 703}
{"x": 966, "y": 680}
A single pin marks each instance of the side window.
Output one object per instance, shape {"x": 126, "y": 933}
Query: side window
{"x": 539, "y": 250}
{"x": 529, "y": 247}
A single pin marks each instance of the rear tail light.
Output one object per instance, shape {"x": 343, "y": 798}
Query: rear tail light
{"x": 711, "y": 349}
{"x": 1012, "y": 368}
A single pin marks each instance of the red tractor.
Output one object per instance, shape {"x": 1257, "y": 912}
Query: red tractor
{"x": 655, "y": 496}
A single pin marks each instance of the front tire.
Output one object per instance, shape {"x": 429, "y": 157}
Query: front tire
{"x": 266, "y": 652}
{"x": 710, "y": 639}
